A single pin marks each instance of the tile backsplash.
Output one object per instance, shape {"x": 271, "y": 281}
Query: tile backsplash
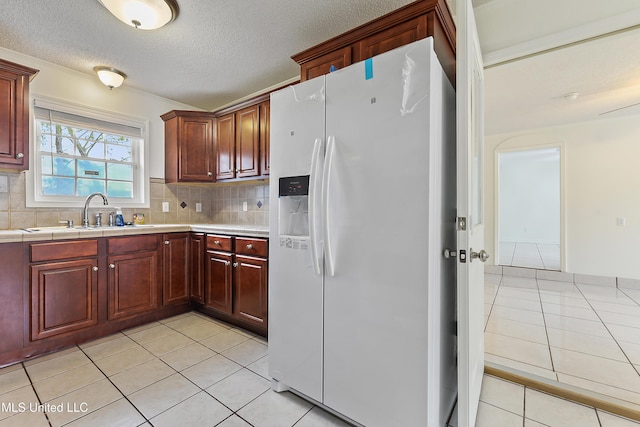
{"x": 221, "y": 204}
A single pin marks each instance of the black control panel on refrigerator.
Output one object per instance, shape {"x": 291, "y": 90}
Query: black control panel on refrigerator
{"x": 294, "y": 186}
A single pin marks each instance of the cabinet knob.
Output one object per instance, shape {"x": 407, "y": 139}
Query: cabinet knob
{"x": 210, "y": 173}
{"x": 235, "y": 264}
{"x": 227, "y": 262}
{"x": 216, "y": 242}
{"x": 166, "y": 242}
{"x": 19, "y": 156}
{"x": 249, "y": 246}
{"x": 237, "y": 170}
{"x": 95, "y": 268}
{"x": 112, "y": 266}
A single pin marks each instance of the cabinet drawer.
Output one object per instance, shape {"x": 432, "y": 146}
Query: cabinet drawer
{"x": 255, "y": 247}
{"x": 63, "y": 250}
{"x": 216, "y": 242}
{"x": 117, "y": 245}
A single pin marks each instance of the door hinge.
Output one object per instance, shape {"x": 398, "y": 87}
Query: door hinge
{"x": 462, "y": 223}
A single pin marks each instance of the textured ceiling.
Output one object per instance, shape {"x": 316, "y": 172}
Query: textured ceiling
{"x": 215, "y": 51}
{"x": 218, "y": 51}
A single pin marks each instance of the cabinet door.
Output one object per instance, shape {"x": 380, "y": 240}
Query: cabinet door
{"x": 133, "y": 284}
{"x": 247, "y": 142}
{"x": 392, "y": 38}
{"x": 250, "y": 290}
{"x": 14, "y": 115}
{"x": 63, "y": 297}
{"x": 225, "y": 146}
{"x": 265, "y": 160}
{"x": 218, "y": 281}
{"x": 195, "y": 149}
{"x": 320, "y": 66}
{"x": 196, "y": 264}
{"x": 12, "y": 297}
{"x": 175, "y": 268}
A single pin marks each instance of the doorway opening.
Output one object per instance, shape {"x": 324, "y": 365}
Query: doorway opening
{"x": 529, "y": 208}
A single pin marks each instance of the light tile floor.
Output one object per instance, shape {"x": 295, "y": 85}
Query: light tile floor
{"x": 506, "y": 404}
{"x": 188, "y": 370}
{"x": 191, "y": 370}
{"x": 583, "y": 335}
{"x": 530, "y": 255}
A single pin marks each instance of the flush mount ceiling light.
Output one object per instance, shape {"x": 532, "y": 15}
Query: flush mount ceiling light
{"x": 110, "y": 77}
{"x": 571, "y": 96}
{"x": 143, "y": 14}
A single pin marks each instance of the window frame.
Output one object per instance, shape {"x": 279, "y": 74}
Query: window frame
{"x": 34, "y": 196}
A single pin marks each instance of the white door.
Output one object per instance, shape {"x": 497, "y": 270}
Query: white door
{"x": 470, "y": 287}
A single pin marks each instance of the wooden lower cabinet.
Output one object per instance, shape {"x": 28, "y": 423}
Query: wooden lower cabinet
{"x": 219, "y": 281}
{"x": 196, "y": 266}
{"x": 133, "y": 284}
{"x": 12, "y": 314}
{"x": 61, "y": 293}
{"x": 175, "y": 268}
{"x": 134, "y": 275}
{"x": 236, "y": 280}
{"x": 250, "y": 290}
{"x": 64, "y": 297}
{"x": 63, "y": 287}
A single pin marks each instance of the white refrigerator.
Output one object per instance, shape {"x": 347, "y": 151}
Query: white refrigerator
{"x": 362, "y": 205}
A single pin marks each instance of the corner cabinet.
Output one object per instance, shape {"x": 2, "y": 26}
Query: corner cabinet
{"x": 188, "y": 146}
{"x": 415, "y": 21}
{"x": 14, "y": 115}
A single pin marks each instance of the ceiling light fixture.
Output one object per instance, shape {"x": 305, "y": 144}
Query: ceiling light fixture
{"x": 143, "y": 14}
{"x": 109, "y": 76}
{"x": 571, "y": 96}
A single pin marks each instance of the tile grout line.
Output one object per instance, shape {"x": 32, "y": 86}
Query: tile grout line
{"x": 35, "y": 392}
{"x": 115, "y": 386}
{"x": 611, "y": 334}
{"x": 546, "y": 331}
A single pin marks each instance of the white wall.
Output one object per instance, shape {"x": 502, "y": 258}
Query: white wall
{"x": 529, "y": 193}
{"x": 62, "y": 83}
{"x": 601, "y": 182}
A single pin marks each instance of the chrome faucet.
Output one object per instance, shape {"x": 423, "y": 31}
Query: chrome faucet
{"x": 85, "y": 215}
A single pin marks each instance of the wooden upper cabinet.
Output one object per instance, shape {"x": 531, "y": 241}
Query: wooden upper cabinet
{"x": 188, "y": 144}
{"x": 324, "y": 64}
{"x": 265, "y": 118}
{"x": 247, "y": 142}
{"x": 225, "y": 146}
{"x": 384, "y": 41}
{"x": 14, "y": 115}
{"x": 242, "y": 141}
{"x": 415, "y": 21}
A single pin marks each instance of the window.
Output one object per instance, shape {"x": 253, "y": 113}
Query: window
{"x": 78, "y": 151}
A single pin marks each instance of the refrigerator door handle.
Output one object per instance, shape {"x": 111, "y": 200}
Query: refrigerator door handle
{"x": 313, "y": 204}
{"x": 326, "y": 182}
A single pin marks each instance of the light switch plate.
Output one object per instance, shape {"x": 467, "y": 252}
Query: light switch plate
{"x": 244, "y": 206}
{"x": 198, "y": 207}
{"x": 4, "y": 184}
{"x": 165, "y": 206}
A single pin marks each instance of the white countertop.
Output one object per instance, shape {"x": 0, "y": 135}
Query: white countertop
{"x": 59, "y": 233}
